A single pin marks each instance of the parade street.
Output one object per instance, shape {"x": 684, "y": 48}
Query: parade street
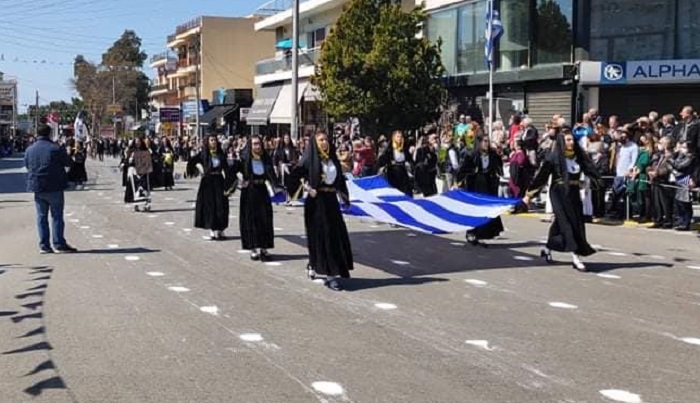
{"x": 148, "y": 311}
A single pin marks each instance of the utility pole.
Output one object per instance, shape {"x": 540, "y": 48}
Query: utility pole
{"x": 295, "y": 70}
{"x": 14, "y": 111}
{"x": 114, "y": 101}
{"x": 36, "y": 114}
{"x": 198, "y": 51}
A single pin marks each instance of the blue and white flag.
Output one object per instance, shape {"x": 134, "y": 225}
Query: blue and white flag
{"x": 494, "y": 32}
{"x": 454, "y": 211}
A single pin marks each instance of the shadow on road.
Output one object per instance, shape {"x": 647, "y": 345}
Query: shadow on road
{"x": 357, "y": 284}
{"x": 118, "y": 251}
{"x": 37, "y": 342}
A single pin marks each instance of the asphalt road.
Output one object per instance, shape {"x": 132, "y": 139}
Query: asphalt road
{"x": 150, "y": 312}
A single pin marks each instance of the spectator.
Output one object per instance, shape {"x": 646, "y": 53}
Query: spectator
{"x": 659, "y": 175}
{"x": 624, "y": 157}
{"x": 683, "y": 166}
{"x": 689, "y": 129}
{"x": 46, "y": 163}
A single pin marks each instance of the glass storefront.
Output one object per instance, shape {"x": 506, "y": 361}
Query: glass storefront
{"x": 514, "y": 47}
{"x": 443, "y": 25}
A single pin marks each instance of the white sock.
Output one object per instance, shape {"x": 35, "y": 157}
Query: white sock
{"x": 212, "y": 234}
{"x": 576, "y": 259}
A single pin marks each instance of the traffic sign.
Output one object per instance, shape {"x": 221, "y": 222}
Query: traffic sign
{"x": 114, "y": 108}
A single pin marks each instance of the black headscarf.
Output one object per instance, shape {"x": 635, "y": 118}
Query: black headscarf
{"x": 558, "y": 155}
{"x": 247, "y": 158}
{"x": 206, "y": 154}
{"x": 312, "y": 163}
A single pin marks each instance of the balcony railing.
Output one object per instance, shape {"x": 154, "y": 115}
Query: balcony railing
{"x": 271, "y": 66}
{"x": 181, "y": 29}
{"x": 160, "y": 56}
{"x": 276, "y": 6}
{"x": 160, "y": 87}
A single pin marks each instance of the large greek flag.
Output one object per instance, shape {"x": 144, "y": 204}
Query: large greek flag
{"x": 454, "y": 211}
{"x": 494, "y": 31}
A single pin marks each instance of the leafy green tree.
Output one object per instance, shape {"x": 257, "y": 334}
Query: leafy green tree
{"x": 375, "y": 66}
{"x": 554, "y": 33}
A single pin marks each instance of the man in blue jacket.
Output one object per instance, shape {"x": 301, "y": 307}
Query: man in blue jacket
{"x": 46, "y": 164}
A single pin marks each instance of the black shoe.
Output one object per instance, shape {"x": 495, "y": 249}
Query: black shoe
{"x": 546, "y": 255}
{"x": 682, "y": 228}
{"x": 65, "y": 249}
{"x": 45, "y": 251}
{"x": 254, "y": 256}
{"x": 656, "y": 225}
{"x": 334, "y": 285}
{"x": 265, "y": 257}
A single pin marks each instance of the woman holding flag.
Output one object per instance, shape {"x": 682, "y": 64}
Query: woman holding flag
{"x": 255, "y": 218}
{"x": 397, "y": 161}
{"x": 330, "y": 253}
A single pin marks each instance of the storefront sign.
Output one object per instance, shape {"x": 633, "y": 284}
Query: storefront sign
{"x": 650, "y": 72}
{"x": 169, "y": 115}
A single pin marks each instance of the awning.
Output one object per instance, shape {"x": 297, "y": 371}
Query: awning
{"x": 312, "y": 94}
{"x": 284, "y": 44}
{"x": 260, "y": 111}
{"x": 282, "y": 112}
{"x": 217, "y": 112}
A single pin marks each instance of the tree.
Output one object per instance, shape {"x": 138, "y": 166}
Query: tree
{"x": 554, "y": 33}
{"x": 117, "y": 79}
{"x": 373, "y": 66}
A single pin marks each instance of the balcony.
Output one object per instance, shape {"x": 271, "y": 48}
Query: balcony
{"x": 307, "y": 58}
{"x": 160, "y": 89}
{"x": 160, "y": 58}
{"x": 278, "y": 13}
{"x": 183, "y": 31}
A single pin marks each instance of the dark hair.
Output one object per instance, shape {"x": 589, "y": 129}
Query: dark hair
{"x": 43, "y": 131}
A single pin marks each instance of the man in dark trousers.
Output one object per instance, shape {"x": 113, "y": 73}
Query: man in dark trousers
{"x": 46, "y": 165}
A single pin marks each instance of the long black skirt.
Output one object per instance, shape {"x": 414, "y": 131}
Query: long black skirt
{"x": 168, "y": 180}
{"x": 211, "y": 210}
{"x": 397, "y": 176}
{"x": 255, "y": 218}
{"x": 487, "y": 185}
{"x": 568, "y": 230}
{"x": 330, "y": 253}
{"x": 488, "y": 231}
{"x": 77, "y": 173}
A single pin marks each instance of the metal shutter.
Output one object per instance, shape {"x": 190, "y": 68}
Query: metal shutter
{"x": 629, "y": 103}
{"x": 541, "y": 106}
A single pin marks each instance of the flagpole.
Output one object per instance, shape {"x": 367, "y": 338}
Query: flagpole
{"x": 490, "y": 36}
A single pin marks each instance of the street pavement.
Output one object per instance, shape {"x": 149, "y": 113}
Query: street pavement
{"x": 151, "y": 312}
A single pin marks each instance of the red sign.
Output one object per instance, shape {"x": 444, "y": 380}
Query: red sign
{"x": 53, "y": 118}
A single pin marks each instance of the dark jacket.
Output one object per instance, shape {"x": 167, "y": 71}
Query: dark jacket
{"x": 46, "y": 164}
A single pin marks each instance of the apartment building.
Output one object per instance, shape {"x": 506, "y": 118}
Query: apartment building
{"x": 273, "y": 76}
{"x": 215, "y": 55}
{"x": 8, "y": 106}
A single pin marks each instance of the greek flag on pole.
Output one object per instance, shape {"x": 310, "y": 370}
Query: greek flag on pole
{"x": 494, "y": 31}
{"x": 454, "y": 211}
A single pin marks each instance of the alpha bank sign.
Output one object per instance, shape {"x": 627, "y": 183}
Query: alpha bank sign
{"x": 650, "y": 72}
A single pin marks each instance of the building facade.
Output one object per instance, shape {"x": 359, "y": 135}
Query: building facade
{"x": 8, "y": 106}
{"x": 208, "y": 54}
{"x": 273, "y": 76}
{"x": 552, "y": 51}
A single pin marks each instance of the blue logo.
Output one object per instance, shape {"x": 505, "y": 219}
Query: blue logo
{"x": 613, "y": 73}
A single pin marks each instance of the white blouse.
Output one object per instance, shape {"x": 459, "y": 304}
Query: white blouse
{"x": 329, "y": 172}
{"x": 485, "y": 161}
{"x": 215, "y": 162}
{"x": 258, "y": 167}
{"x": 572, "y": 167}
{"x": 399, "y": 156}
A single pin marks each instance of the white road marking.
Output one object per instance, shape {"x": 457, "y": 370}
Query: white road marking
{"x": 251, "y": 337}
{"x": 385, "y": 306}
{"x": 74, "y": 220}
{"x": 113, "y": 246}
{"x": 621, "y": 396}
{"x": 153, "y": 216}
{"x": 243, "y": 251}
{"x": 279, "y": 229}
{"x": 100, "y": 194}
{"x": 273, "y": 264}
{"x": 617, "y": 254}
{"x": 187, "y": 229}
{"x": 605, "y": 275}
{"x": 562, "y": 305}
{"x": 480, "y": 343}
{"x": 155, "y": 274}
{"x": 523, "y": 258}
{"x": 374, "y": 226}
{"x": 328, "y": 388}
{"x": 132, "y": 258}
{"x": 319, "y": 281}
{"x": 169, "y": 199}
{"x": 690, "y": 340}
{"x": 694, "y": 267}
{"x": 169, "y": 223}
{"x": 400, "y": 262}
{"x": 178, "y": 289}
{"x": 458, "y": 244}
{"x": 657, "y": 257}
{"x": 411, "y": 235}
{"x": 476, "y": 283}
{"x": 69, "y": 214}
{"x": 84, "y": 227}
{"x": 98, "y": 236}
{"x": 212, "y": 310}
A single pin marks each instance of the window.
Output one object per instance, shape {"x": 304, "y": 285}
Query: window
{"x": 471, "y": 37}
{"x": 443, "y": 26}
{"x": 553, "y": 31}
{"x": 514, "y": 46}
{"x": 633, "y": 29}
{"x": 316, "y": 38}
{"x": 688, "y": 29}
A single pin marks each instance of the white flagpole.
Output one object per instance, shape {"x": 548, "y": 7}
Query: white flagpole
{"x": 491, "y": 51}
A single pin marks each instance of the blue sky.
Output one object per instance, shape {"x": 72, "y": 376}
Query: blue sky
{"x": 40, "y": 38}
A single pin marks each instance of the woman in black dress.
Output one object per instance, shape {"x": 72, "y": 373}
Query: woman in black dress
{"x": 211, "y": 209}
{"x": 427, "y": 166}
{"x": 77, "y": 173}
{"x": 330, "y": 253}
{"x": 285, "y": 158}
{"x": 168, "y": 157}
{"x": 565, "y": 164}
{"x": 256, "y": 222}
{"x": 482, "y": 171}
{"x": 397, "y": 161}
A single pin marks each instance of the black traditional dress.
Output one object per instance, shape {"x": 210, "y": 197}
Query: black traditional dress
{"x": 482, "y": 172}
{"x": 426, "y": 170}
{"x": 568, "y": 230}
{"x": 168, "y": 157}
{"x": 77, "y": 172}
{"x": 211, "y": 209}
{"x": 397, "y": 164}
{"x": 255, "y": 218}
{"x": 330, "y": 252}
